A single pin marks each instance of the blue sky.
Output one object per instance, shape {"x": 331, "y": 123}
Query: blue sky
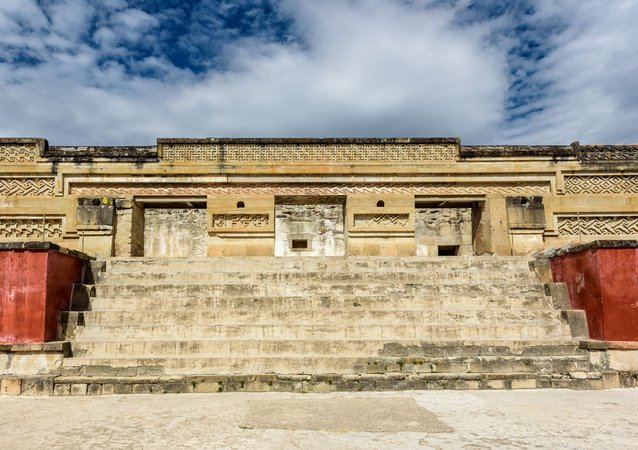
{"x": 124, "y": 72}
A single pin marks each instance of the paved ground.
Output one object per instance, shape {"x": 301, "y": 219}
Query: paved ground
{"x": 435, "y": 419}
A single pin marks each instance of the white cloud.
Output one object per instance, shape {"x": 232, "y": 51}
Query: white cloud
{"x": 360, "y": 68}
{"x": 593, "y": 74}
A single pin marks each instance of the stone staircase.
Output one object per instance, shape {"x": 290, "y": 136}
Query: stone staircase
{"x": 319, "y": 324}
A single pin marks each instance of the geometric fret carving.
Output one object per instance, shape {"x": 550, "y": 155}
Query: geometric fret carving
{"x": 240, "y": 220}
{"x": 195, "y": 188}
{"x": 30, "y": 228}
{"x": 381, "y": 220}
{"x": 597, "y": 225}
{"x": 597, "y": 153}
{"x": 18, "y": 153}
{"x": 282, "y": 153}
{"x": 28, "y": 187}
{"x": 602, "y": 184}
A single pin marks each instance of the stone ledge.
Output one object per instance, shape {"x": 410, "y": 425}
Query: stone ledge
{"x": 44, "y": 245}
{"x": 82, "y": 153}
{"x": 593, "y": 344}
{"x": 40, "y": 347}
{"x": 500, "y": 151}
{"x": 23, "y": 140}
{"x": 46, "y": 385}
{"x": 575, "y": 248}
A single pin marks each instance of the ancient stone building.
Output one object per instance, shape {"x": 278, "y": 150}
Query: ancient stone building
{"x": 209, "y": 265}
{"x": 329, "y": 197}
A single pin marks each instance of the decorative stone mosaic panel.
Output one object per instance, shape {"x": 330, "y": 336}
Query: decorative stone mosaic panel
{"x": 602, "y": 184}
{"x": 595, "y": 153}
{"x": 381, "y": 220}
{"x": 234, "y": 221}
{"x": 18, "y": 153}
{"x": 598, "y": 225}
{"x": 28, "y": 187}
{"x": 283, "y": 153}
{"x": 30, "y": 228}
{"x": 317, "y": 189}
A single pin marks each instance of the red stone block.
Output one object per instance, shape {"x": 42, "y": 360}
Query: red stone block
{"x": 602, "y": 279}
{"x": 35, "y": 284}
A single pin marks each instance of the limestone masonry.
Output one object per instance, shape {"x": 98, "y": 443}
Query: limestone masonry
{"x": 206, "y": 265}
{"x": 305, "y": 197}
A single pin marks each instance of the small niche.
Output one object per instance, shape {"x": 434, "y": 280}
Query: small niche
{"x": 380, "y": 204}
{"x": 448, "y": 250}
{"x": 241, "y": 205}
{"x": 299, "y": 244}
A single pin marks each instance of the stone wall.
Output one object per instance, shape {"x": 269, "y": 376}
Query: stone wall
{"x": 587, "y": 192}
{"x": 175, "y": 232}
{"x": 444, "y": 231}
{"x": 309, "y": 230}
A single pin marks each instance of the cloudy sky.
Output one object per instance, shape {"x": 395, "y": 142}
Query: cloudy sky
{"x": 116, "y": 72}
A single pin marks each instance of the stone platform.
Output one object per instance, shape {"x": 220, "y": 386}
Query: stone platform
{"x": 320, "y": 324}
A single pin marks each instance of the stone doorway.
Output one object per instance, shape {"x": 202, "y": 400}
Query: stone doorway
{"x": 444, "y": 229}
{"x": 175, "y": 230}
{"x": 310, "y": 226}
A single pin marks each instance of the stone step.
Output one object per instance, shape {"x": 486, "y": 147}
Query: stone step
{"x": 412, "y": 276}
{"x": 314, "y": 302}
{"x": 306, "y": 316}
{"x": 173, "y": 384}
{"x": 295, "y": 364}
{"x": 313, "y": 264}
{"x": 478, "y": 330}
{"x": 254, "y": 348}
{"x": 297, "y": 289}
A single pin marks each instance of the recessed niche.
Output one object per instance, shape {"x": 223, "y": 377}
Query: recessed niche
{"x": 241, "y": 205}
{"x": 448, "y": 250}
{"x": 299, "y": 244}
{"x": 380, "y": 204}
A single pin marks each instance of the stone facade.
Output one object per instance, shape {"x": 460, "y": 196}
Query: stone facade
{"x": 392, "y": 197}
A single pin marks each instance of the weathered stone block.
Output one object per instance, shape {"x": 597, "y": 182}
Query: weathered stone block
{"x": 108, "y": 389}
{"x": 79, "y": 388}
{"x": 523, "y": 383}
{"x": 62, "y": 389}
{"x": 10, "y": 386}
{"x": 122, "y": 388}
{"x": 207, "y": 387}
{"x": 40, "y": 386}
{"x": 94, "y": 389}
{"x": 143, "y": 388}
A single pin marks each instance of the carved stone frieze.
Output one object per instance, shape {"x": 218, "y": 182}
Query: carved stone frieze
{"x": 27, "y": 228}
{"x": 27, "y": 187}
{"x": 18, "y": 153}
{"x": 381, "y": 220}
{"x": 315, "y": 189}
{"x": 597, "y": 225}
{"x": 240, "y": 220}
{"x": 602, "y": 184}
{"x": 595, "y": 153}
{"x": 297, "y": 153}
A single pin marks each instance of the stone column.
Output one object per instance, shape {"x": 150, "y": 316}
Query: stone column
{"x": 491, "y": 234}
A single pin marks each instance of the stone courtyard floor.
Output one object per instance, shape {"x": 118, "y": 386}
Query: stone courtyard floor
{"x": 410, "y": 419}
